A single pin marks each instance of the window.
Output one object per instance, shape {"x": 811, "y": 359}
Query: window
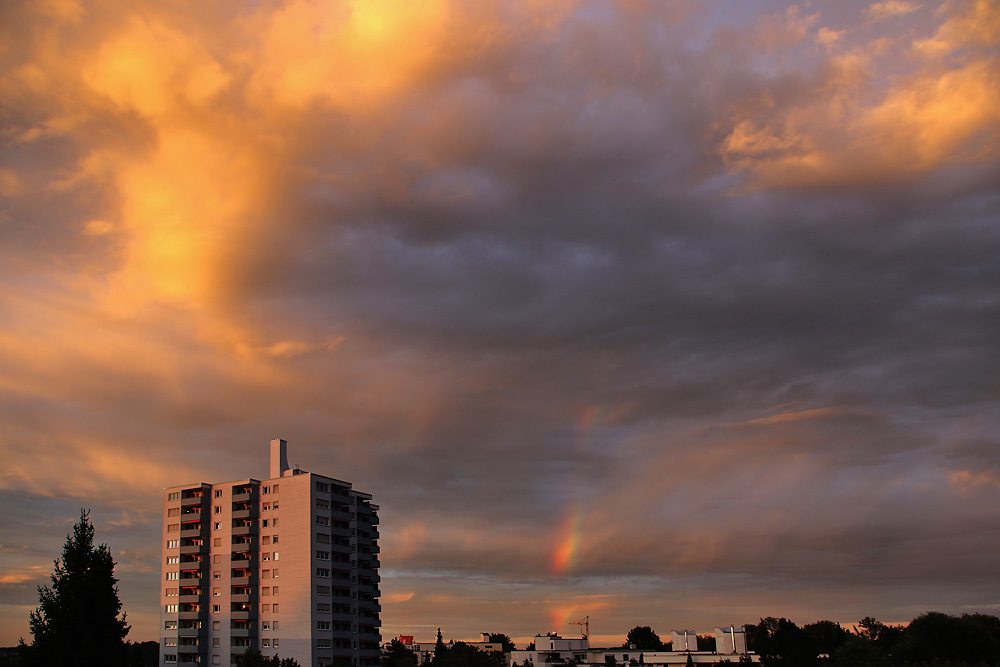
{"x": 274, "y": 590}
{"x": 274, "y": 642}
{"x": 215, "y": 660}
{"x": 266, "y": 490}
{"x": 218, "y": 493}
{"x": 322, "y": 590}
{"x": 323, "y": 572}
{"x": 171, "y": 592}
{"x": 323, "y": 625}
{"x": 322, "y": 486}
{"x": 265, "y": 507}
{"x": 216, "y": 625}
{"x": 171, "y": 575}
{"x": 216, "y": 642}
{"x": 265, "y": 625}
{"x": 170, "y": 657}
{"x": 274, "y": 625}
{"x": 170, "y": 625}
{"x": 276, "y": 557}
{"x": 217, "y": 558}
{"x": 274, "y": 608}
{"x": 170, "y": 609}
{"x": 216, "y": 574}
{"x": 266, "y": 556}
{"x": 322, "y": 503}
{"x": 174, "y": 496}
{"x": 173, "y": 544}
{"x": 263, "y": 523}
{"x": 266, "y": 539}
{"x": 218, "y": 509}
{"x": 322, "y": 555}
{"x": 323, "y": 607}
{"x": 216, "y": 592}
{"x": 275, "y": 571}
{"x": 170, "y": 641}
{"x": 216, "y": 608}
{"x": 265, "y": 574}
{"x": 275, "y": 490}
{"x": 173, "y": 511}
{"x": 265, "y": 608}
{"x": 173, "y": 559}
{"x": 265, "y": 591}
{"x": 173, "y": 527}
{"x": 217, "y": 542}
{"x": 275, "y": 503}
{"x": 274, "y": 540}
{"x": 322, "y": 521}
{"x": 274, "y": 522}
{"x": 265, "y": 643}
{"x": 216, "y": 526}
{"x": 322, "y": 643}
{"x": 322, "y": 538}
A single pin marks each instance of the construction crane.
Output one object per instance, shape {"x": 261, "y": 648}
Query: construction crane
{"x": 585, "y": 622}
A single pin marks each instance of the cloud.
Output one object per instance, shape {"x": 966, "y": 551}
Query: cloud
{"x": 703, "y": 304}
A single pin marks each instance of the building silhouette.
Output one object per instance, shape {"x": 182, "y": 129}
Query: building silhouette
{"x": 286, "y": 565}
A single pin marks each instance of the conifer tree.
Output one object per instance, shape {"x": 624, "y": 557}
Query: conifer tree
{"x": 77, "y": 621}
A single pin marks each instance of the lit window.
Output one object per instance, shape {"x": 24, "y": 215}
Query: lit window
{"x": 171, "y": 592}
{"x": 170, "y": 625}
{"x": 170, "y": 641}
{"x": 173, "y": 544}
{"x": 173, "y": 559}
{"x": 170, "y": 609}
{"x": 171, "y": 575}
{"x": 276, "y": 556}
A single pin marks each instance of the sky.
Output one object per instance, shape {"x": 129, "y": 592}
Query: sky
{"x": 678, "y": 314}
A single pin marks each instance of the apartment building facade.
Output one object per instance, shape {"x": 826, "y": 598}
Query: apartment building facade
{"x": 286, "y": 565}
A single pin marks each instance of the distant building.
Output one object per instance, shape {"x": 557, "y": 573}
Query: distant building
{"x": 287, "y": 565}
{"x": 551, "y": 650}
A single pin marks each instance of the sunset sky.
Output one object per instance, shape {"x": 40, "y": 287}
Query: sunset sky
{"x": 667, "y": 313}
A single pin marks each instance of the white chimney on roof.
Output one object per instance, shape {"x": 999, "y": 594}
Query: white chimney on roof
{"x": 279, "y": 457}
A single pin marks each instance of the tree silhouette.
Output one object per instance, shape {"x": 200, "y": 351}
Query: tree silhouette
{"x": 643, "y": 638}
{"x": 77, "y": 621}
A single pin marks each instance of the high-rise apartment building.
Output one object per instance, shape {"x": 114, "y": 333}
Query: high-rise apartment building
{"x": 286, "y": 565}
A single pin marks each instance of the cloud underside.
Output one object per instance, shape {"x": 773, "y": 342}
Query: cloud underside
{"x": 606, "y": 304}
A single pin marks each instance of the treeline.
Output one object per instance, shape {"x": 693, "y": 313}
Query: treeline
{"x": 454, "y": 654}
{"x": 931, "y": 640}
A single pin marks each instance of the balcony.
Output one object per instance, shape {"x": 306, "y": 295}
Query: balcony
{"x": 193, "y": 549}
{"x": 245, "y": 527}
{"x": 243, "y": 581}
{"x": 243, "y": 614}
{"x": 242, "y": 632}
{"x": 192, "y": 615}
{"x": 192, "y": 501}
{"x": 192, "y": 632}
{"x": 246, "y": 513}
{"x": 248, "y": 598}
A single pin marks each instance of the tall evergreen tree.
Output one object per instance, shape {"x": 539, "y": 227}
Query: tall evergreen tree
{"x": 77, "y": 621}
